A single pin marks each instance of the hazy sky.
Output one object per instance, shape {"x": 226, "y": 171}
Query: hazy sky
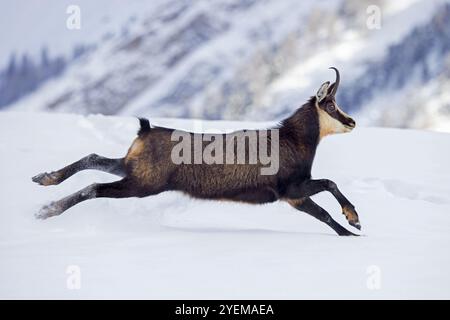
{"x": 27, "y": 25}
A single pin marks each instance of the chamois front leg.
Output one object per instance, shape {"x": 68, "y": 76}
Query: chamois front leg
{"x": 310, "y": 207}
{"x": 92, "y": 161}
{"x": 309, "y": 188}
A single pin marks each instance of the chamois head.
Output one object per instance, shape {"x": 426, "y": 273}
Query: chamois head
{"x": 331, "y": 118}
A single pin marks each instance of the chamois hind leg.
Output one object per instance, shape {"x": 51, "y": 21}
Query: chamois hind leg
{"x": 124, "y": 188}
{"x": 309, "y": 188}
{"x": 92, "y": 161}
{"x": 310, "y": 207}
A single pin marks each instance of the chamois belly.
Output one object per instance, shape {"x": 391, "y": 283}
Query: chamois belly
{"x": 256, "y": 196}
{"x": 259, "y": 196}
{"x": 224, "y": 182}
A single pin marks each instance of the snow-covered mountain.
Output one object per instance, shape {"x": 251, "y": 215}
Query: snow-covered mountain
{"x": 247, "y": 59}
{"x": 170, "y": 246}
{"x": 410, "y": 85}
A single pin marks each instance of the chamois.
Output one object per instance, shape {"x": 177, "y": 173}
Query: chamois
{"x": 148, "y": 169}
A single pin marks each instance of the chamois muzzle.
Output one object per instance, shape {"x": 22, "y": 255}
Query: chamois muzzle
{"x": 350, "y": 123}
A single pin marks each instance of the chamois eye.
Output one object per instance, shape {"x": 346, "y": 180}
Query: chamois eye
{"x": 331, "y": 107}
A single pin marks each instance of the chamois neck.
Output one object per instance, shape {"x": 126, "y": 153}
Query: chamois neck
{"x": 303, "y": 126}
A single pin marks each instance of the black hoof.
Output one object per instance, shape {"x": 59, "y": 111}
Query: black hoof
{"x": 46, "y": 179}
{"x": 357, "y": 225}
{"x": 50, "y": 210}
{"x": 347, "y": 234}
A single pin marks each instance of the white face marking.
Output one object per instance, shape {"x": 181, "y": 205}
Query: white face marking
{"x": 329, "y": 125}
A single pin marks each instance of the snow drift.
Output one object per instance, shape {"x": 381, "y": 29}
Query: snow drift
{"x": 170, "y": 246}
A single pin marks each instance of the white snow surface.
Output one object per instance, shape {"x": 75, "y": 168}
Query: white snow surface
{"x": 171, "y": 246}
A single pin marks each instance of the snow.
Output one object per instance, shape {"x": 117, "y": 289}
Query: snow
{"x": 350, "y": 54}
{"x": 39, "y": 23}
{"x": 170, "y": 246}
{"x": 229, "y": 59}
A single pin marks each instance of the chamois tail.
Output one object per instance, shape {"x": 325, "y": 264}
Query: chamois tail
{"x": 144, "y": 126}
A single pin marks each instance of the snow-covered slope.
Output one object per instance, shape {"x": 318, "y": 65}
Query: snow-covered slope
{"x": 170, "y": 246}
{"x": 168, "y": 60}
{"x": 396, "y": 76}
{"x": 240, "y": 60}
{"x": 29, "y": 25}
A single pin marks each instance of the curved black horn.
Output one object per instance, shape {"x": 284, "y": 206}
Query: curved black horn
{"x": 336, "y": 83}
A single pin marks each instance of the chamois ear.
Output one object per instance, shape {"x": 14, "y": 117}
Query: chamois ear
{"x": 323, "y": 91}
